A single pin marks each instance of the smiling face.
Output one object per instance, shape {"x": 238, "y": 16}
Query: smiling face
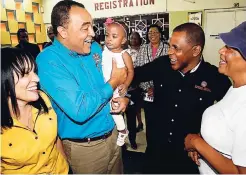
{"x": 78, "y": 33}
{"x": 231, "y": 61}
{"x": 154, "y": 35}
{"x": 26, "y": 86}
{"x": 115, "y": 37}
{"x": 183, "y": 55}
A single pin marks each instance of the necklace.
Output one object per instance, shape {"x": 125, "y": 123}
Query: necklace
{"x": 30, "y": 122}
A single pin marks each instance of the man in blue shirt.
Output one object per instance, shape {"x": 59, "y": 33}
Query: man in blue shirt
{"x": 70, "y": 73}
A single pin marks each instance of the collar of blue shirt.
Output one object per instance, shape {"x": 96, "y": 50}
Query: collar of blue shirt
{"x": 65, "y": 49}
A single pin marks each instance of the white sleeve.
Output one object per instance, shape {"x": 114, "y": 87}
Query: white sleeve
{"x": 239, "y": 142}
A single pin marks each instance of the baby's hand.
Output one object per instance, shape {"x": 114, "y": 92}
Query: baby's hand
{"x": 123, "y": 90}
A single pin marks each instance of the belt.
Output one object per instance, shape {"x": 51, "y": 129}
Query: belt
{"x": 104, "y": 136}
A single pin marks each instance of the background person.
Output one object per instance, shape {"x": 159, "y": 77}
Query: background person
{"x": 154, "y": 48}
{"x": 222, "y": 143}
{"x": 23, "y": 40}
{"x": 50, "y": 35}
{"x": 134, "y": 109}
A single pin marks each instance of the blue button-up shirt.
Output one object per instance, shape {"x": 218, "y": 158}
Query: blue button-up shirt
{"x": 77, "y": 90}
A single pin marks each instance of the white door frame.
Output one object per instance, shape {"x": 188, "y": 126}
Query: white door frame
{"x": 219, "y": 11}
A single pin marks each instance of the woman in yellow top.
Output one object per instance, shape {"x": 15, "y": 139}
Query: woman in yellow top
{"x": 29, "y": 140}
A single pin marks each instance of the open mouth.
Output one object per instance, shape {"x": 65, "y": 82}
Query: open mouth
{"x": 88, "y": 41}
{"x": 32, "y": 88}
{"x": 173, "y": 61}
{"x": 222, "y": 62}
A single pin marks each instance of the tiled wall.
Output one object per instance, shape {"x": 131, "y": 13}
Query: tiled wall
{"x": 17, "y": 14}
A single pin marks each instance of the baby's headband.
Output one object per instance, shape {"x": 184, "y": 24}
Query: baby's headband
{"x": 111, "y": 21}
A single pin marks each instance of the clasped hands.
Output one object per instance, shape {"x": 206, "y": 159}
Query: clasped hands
{"x": 190, "y": 147}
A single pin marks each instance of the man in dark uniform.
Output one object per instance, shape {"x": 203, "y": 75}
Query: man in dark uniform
{"x": 23, "y": 40}
{"x": 185, "y": 85}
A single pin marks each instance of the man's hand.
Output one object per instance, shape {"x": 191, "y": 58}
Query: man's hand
{"x": 118, "y": 75}
{"x": 119, "y": 104}
{"x": 151, "y": 92}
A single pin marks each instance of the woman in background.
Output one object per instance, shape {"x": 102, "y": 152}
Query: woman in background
{"x": 221, "y": 146}
{"x": 30, "y": 144}
{"x": 134, "y": 108}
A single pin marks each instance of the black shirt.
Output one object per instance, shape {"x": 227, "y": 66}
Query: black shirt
{"x": 180, "y": 100}
{"x": 31, "y": 48}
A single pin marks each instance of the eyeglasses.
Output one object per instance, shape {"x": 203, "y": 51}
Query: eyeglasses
{"x": 153, "y": 33}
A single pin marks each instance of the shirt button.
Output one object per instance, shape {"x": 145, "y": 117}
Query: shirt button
{"x": 172, "y": 120}
{"x": 36, "y": 137}
{"x": 200, "y": 99}
{"x": 169, "y": 140}
{"x": 43, "y": 152}
{"x": 50, "y": 118}
{"x": 161, "y": 85}
{"x": 10, "y": 144}
{"x": 179, "y": 90}
{"x": 171, "y": 133}
{"x": 176, "y": 105}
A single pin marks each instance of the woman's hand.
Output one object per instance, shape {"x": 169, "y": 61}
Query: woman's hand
{"x": 190, "y": 141}
{"x": 194, "y": 155}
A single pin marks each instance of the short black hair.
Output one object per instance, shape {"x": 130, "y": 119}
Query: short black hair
{"x": 60, "y": 13}
{"x": 138, "y": 35}
{"x": 159, "y": 30}
{"x": 19, "y": 31}
{"x": 194, "y": 33}
{"x": 14, "y": 60}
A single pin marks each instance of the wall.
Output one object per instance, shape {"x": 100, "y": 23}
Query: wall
{"x": 160, "y": 6}
{"x": 178, "y": 9}
{"x": 181, "y": 5}
{"x": 90, "y": 5}
{"x": 179, "y": 13}
{"x": 26, "y": 14}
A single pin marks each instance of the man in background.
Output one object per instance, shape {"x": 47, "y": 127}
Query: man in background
{"x": 24, "y": 43}
{"x": 50, "y": 35}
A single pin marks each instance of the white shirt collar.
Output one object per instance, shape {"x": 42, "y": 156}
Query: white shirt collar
{"x": 194, "y": 69}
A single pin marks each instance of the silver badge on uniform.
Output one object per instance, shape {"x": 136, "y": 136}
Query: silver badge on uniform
{"x": 204, "y": 84}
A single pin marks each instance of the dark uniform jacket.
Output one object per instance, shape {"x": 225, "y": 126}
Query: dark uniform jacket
{"x": 180, "y": 100}
{"x": 31, "y": 48}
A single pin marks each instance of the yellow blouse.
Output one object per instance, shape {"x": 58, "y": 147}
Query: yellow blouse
{"x": 33, "y": 152}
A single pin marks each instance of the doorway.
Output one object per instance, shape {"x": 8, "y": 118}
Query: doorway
{"x": 219, "y": 21}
